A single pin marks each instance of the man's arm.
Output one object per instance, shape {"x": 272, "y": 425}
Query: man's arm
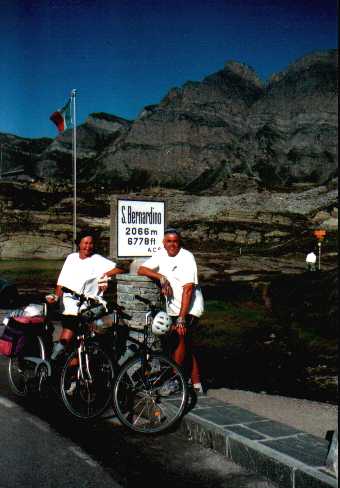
{"x": 186, "y": 300}
{"x": 185, "y": 306}
{"x": 150, "y": 273}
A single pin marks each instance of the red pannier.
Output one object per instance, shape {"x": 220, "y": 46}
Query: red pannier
{"x": 16, "y": 332}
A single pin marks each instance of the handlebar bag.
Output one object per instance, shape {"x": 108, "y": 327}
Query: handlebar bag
{"x": 17, "y": 331}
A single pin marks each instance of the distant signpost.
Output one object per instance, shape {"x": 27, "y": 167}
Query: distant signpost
{"x": 137, "y": 227}
{"x": 320, "y": 235}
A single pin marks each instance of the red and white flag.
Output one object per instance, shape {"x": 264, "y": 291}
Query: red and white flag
{"x": 62, "y": 117}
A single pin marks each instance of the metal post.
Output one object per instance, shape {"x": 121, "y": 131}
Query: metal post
{"x": 319, "y": 246}
{"x": 74, "y": 150}
{"x": 113, "y": 228}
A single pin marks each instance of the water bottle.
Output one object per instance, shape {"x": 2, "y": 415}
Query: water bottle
{"x": 57, "y": 348}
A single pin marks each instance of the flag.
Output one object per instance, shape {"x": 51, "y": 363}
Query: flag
{"x": 62, "y": 117}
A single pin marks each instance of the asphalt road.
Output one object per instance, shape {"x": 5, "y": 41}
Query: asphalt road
{"x": 43, "y": 446}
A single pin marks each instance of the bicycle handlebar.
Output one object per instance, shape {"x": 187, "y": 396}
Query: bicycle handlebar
{"x": 153, "y": 308}
{"x": 76, "y": 295}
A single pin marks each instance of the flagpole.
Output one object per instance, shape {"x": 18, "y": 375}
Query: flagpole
{"x": 74, "y": 151}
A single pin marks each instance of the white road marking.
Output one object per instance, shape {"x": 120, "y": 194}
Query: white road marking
{"x": 82, "y": 455}
{"x": 7, "y": 403}
{"x": 38, "y": 423}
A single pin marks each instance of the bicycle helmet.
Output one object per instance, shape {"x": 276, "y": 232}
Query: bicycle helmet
{"x": 161, "y": 323}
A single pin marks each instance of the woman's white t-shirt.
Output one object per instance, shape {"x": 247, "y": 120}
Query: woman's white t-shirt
{"x": 76, "y": 274}
{"x": 179, "y": 270}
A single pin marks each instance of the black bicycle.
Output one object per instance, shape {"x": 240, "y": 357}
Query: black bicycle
{"x": 150, "y": 392}
{"x": 87, "y": 376}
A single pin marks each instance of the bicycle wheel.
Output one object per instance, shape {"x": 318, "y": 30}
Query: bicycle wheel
{"x": 87, "y": 395}
{"x": 21, "y": 372}
{"x": 150, "y": 395}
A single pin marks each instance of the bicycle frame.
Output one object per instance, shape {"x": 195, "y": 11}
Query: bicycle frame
{"x": 42, "y": 360}
{"x": 84, "y": 369}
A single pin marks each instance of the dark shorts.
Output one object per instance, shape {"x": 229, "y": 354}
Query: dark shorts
{"x": 190, "y": 321}
{"x": 69, "y": 322}
{"x": 171, "y": 340}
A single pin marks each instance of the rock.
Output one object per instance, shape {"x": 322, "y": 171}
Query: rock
{"x": 25, "y": 245}
{"x": 330, "y": 224}
{"x": 334, "y": 213}
{"x": 321, "y": 216}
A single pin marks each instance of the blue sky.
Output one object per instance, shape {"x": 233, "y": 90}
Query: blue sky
{"x": 124, "y": 54}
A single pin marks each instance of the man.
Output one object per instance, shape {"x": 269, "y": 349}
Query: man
{"x": 176, "y": 270}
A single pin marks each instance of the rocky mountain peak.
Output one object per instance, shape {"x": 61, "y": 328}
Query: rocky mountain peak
{"x": 319, "y": 60}
{"x": 102, "y": 120}
{"x": 244, "y": 71}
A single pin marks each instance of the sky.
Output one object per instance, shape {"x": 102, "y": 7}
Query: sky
{"x": 121, "y": 55}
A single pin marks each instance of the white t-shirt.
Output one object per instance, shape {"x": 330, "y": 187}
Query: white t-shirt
{"x": 179, "y": 270}
{"x": 80, "y": 275}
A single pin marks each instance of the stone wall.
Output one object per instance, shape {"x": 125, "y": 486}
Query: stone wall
{"x": 128, "y": 286}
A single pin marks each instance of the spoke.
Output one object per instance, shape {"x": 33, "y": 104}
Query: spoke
{"x": 138, "y": 417}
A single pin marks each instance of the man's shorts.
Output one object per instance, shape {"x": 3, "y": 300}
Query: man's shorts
{"x": 172, "y": 339}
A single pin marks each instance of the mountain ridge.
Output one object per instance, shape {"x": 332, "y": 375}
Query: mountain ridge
{"x": 280, "y": 132}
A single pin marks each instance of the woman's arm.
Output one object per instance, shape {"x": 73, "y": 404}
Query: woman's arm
{"x": 113, "y": 272}
{"x": 54, "y": 298}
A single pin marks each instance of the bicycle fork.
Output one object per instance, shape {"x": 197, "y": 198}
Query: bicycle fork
{"x": 83, "y": 369}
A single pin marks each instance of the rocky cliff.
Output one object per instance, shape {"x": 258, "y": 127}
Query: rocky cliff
{"x": 281, "y": 132}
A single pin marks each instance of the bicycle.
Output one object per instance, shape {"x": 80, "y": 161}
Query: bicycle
{"x": 86, "y": 379}
{"x": 31, "y": 371}
{"x": 150, "y": 392}
{"x": 29, "y": 340}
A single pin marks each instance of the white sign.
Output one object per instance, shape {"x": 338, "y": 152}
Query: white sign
{"x": 140, "y": 228}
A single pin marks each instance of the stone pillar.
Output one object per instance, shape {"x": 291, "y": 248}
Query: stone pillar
{"x": 128, "y": 286}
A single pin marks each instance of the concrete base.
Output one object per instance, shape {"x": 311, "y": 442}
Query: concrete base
{"x": 284, "y": 455}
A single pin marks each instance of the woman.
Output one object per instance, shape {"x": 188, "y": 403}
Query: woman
{"x": 79, "y": 268}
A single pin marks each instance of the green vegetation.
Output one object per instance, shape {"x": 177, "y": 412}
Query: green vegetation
{"x": 241, "y": 345}
{"x": 31, "y": 273}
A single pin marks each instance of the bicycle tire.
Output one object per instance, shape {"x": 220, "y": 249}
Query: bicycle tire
{"x": 90, "y": 398}
{"x": 138, "y": 395}
{"x": 21, "y": 371}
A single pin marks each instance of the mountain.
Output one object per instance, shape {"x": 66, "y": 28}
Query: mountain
{"x": 244, "y": 167}
{"x": 20, "y": 154}
{"x": 278, "y": 133}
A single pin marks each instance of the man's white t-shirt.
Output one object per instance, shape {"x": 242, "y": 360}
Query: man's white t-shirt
{"x": 80, "y": 276}
{"x": 179, "y": 270}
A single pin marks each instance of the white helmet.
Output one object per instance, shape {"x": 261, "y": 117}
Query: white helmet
{"x": 161, "y": 323}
